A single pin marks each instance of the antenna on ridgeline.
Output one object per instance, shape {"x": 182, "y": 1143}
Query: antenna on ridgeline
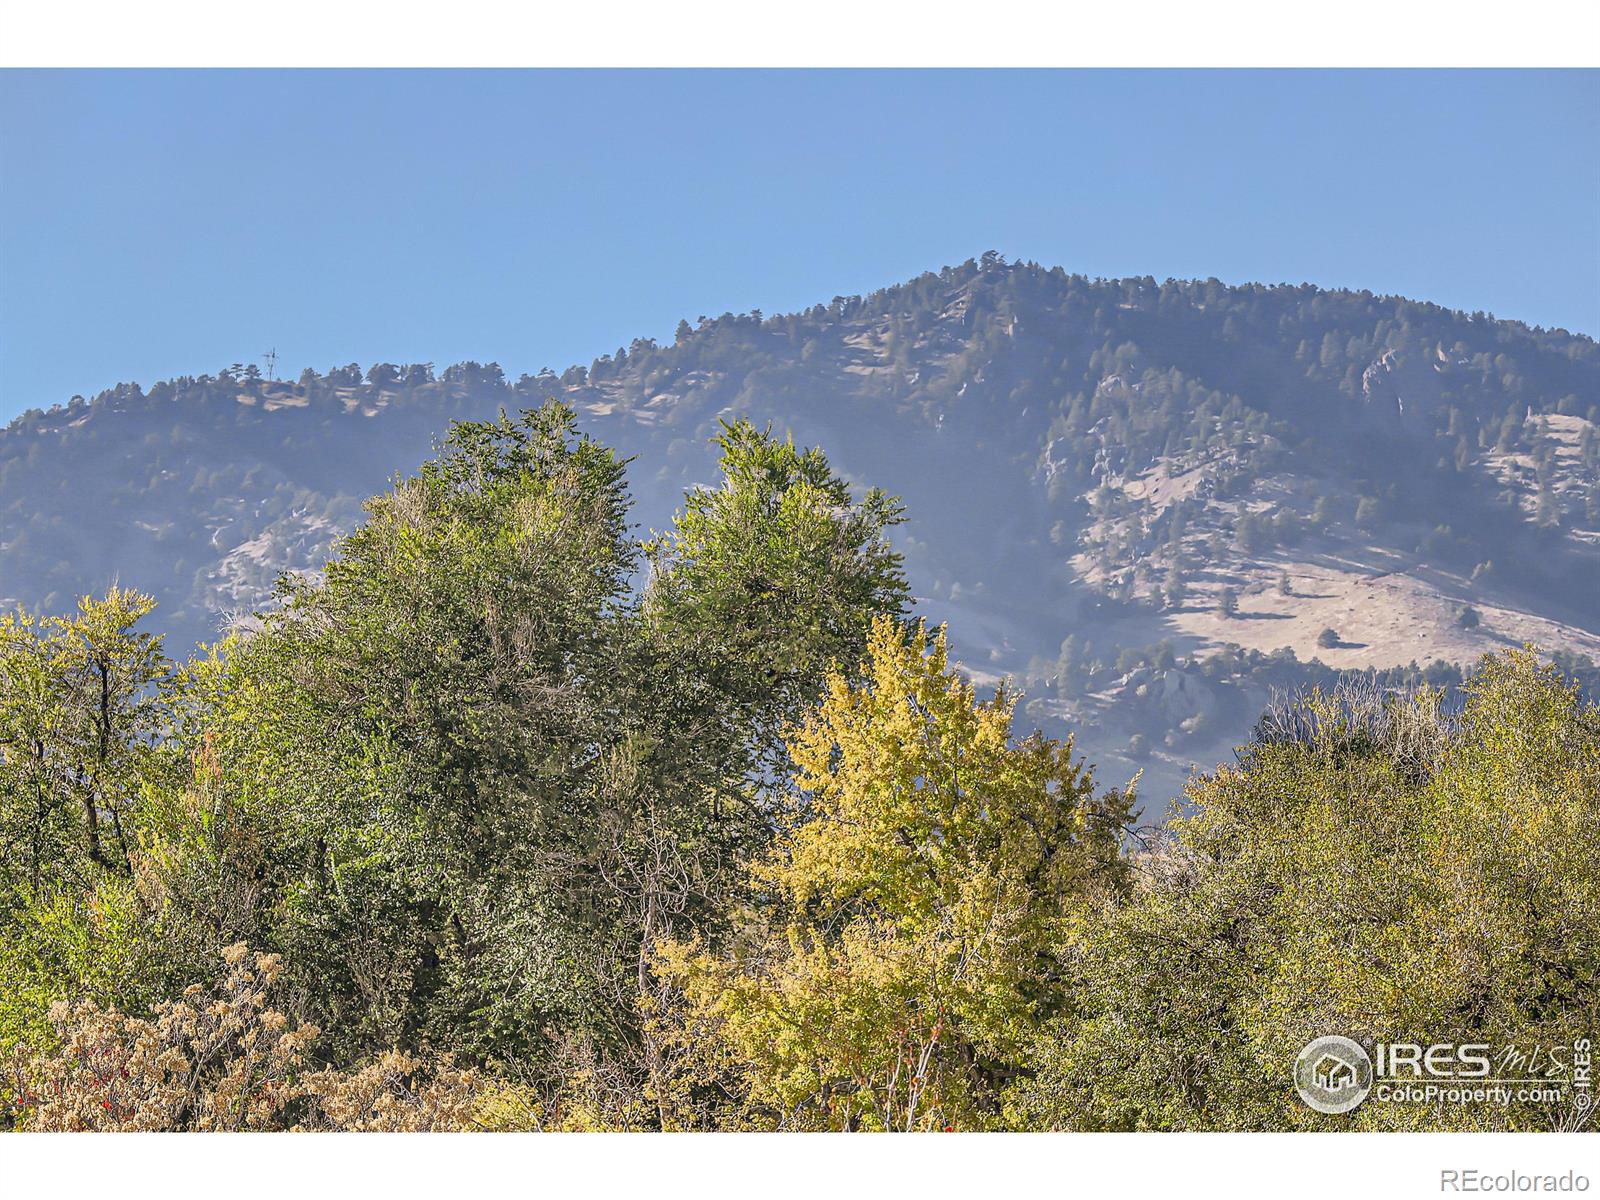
{"x": 271, "y": 357}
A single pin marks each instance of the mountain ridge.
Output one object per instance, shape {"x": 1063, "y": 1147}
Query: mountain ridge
{"x": 1123, "y": 464}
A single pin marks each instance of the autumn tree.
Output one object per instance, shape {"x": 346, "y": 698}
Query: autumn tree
{"x": 895, "y": 958}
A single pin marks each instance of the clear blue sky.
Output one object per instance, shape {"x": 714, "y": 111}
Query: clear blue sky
{"x": 162, "y": 223}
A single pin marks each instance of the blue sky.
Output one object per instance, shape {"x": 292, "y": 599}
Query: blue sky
{"x": 160, "y": 223}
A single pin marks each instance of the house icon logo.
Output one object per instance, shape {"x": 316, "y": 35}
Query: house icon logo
{"x": 1333, "y": 1074}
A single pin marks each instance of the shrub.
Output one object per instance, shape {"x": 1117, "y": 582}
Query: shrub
{"x": 212, "y": 1060}
{"x": 1374, "y": 864}
{"x": 219, "y": 1059}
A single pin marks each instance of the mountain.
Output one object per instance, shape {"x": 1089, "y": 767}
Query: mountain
{"x": 1152, "y": 503}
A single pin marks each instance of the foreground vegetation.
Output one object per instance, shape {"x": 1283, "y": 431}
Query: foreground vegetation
{"x": 476, "y": 831}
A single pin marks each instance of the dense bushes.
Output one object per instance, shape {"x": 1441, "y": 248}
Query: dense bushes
{"x": 1371, "y": 867}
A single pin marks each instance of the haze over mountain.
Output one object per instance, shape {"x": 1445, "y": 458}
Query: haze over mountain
{"x": 1150, "y": 502}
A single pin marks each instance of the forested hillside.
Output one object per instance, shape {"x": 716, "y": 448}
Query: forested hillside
{"x": 1151, "y": 503}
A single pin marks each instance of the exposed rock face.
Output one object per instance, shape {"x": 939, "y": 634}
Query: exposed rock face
{"x": 1172, "y": 695}
{"x": 1403, "y": 392}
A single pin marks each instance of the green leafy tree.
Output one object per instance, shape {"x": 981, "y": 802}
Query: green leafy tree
{"x": 428, "y": 708}
{"x": 1371, "y": 867}
{"x": 774, "y": 577}
{"x": 83, "y": 709}
{"x": 464, "y": 780}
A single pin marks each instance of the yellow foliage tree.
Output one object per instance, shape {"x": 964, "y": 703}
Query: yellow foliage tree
{"x": 897, "y": 955}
